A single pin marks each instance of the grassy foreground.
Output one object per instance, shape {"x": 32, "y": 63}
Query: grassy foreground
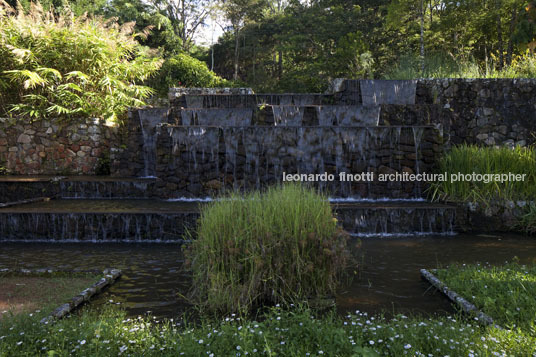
{"x": 505, "y": 293}
{"x": 297, "y": 332}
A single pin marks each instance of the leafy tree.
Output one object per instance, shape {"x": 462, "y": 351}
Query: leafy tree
{"x": 238, "y": 12}
{"x": 184, "y": 71}
{"x": 162, "y": 33}
{"x": 185, "y": 16}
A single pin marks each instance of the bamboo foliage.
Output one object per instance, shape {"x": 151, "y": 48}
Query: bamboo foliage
{"x": 65, "y": 66}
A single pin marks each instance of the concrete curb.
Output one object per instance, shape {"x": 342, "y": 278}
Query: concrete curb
{"x": 110, "y": 276}
{"x": 465, "y": 305}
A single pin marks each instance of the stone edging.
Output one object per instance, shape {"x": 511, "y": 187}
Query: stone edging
{"x": 110, "y": 276}
{"x": 22, "y": 202}
{"x": 465, "y": 305}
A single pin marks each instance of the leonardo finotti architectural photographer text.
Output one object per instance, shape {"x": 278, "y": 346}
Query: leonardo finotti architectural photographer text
{"x": 404, "y": 177}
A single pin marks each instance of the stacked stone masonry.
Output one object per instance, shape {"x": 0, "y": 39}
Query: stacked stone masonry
{"x": 486, "y": 112}
{"x": 51, "y": 147}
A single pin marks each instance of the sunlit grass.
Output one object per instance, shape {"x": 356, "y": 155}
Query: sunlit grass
{"x": 23, "y": 294}
{"x": 506, "y": 293}
{"x": 467, "y": 159}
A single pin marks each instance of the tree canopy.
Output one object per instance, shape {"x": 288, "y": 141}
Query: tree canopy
{"x": 297, "y": 45}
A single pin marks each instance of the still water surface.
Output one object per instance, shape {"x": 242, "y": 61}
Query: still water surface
{"x": 388, "y": 280}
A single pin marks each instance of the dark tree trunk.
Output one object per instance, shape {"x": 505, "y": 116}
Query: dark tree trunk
{"x": 422, "y": 37}
{"x": 510, "y": 48}
{"x": 280, "y": 64}
{"x": 235, "y": 75}
{"x": 500, "y": 44}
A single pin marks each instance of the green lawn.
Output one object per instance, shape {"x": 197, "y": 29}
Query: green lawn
{"x": 506, "y": 293}
{"x": 26, "y": 294}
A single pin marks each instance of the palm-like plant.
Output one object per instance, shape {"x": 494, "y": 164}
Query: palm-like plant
{"x": 66, "y": 66}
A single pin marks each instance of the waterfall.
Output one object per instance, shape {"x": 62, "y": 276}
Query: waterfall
{"x": 150, "y": 121}
{"x": 201, "y": 144}
{"x": 231, "y": 138}
{"x": 376, "y": 92}
{"x": 287, "y": 115}
{"x": 194, "y": 101}
{"x": 395, "y": 219}
{"x": 217, "y": 117}
{"x": 417, "y": 137}
{"x": 348, "y": 115}
{"x": 96, "y": 227}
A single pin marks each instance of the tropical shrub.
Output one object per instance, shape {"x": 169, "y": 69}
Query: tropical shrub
{"x": 184, "y": 71}
{"x": 281, "y": 246}
{"x": 67, "y": 66}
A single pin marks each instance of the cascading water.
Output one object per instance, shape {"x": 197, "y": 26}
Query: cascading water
{"x": 200, "y": 145}
{"x": 258, "y": 156}
{"x": 417, "y": 137}
{"x": 221, "y": 146}
{"x": 217, "y": 117}
{"x": 288, "y": 115}
{"x": 348, "y": 115}
{"x": 396, "y": 218}
{"x": 150, "y": 120}
{"x": 375, "y": 92}
{"x": 194, "y": 101}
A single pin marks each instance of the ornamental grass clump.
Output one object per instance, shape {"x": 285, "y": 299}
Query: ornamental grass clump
{"x": 281, "y": 246}
{"x": 466, "y": 159}
{"x": 65, "y": 66}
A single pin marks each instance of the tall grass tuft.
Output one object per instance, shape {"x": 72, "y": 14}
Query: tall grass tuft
{"x": 527, "y": 222}
{"x": 65, "y": 66}
{"x": 467, "y": 159}
{"x": 281, "y": 246}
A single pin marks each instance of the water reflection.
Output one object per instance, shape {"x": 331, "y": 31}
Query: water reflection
{"x": 388, "y": 280}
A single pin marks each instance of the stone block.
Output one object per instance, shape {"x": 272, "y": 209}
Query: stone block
{"x": 24, "y": 139}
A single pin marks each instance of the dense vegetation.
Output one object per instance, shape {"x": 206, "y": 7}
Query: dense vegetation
{"x": 295, "y": 332}
{"x": 182, "y": 70}
{"x": 281, "y": 246}
{"x": 55, "y": 63}
{"x": 291, "y": 45}
{"x": 297, "y": 45}
{"x": 65, "y": 66}
{"x": 467, "y": 159}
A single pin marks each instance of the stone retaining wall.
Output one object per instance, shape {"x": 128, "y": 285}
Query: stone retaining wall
{"x": 50, "y": 147}
{"x": 482, "y": 111}
{"x": 497, "y": 216}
